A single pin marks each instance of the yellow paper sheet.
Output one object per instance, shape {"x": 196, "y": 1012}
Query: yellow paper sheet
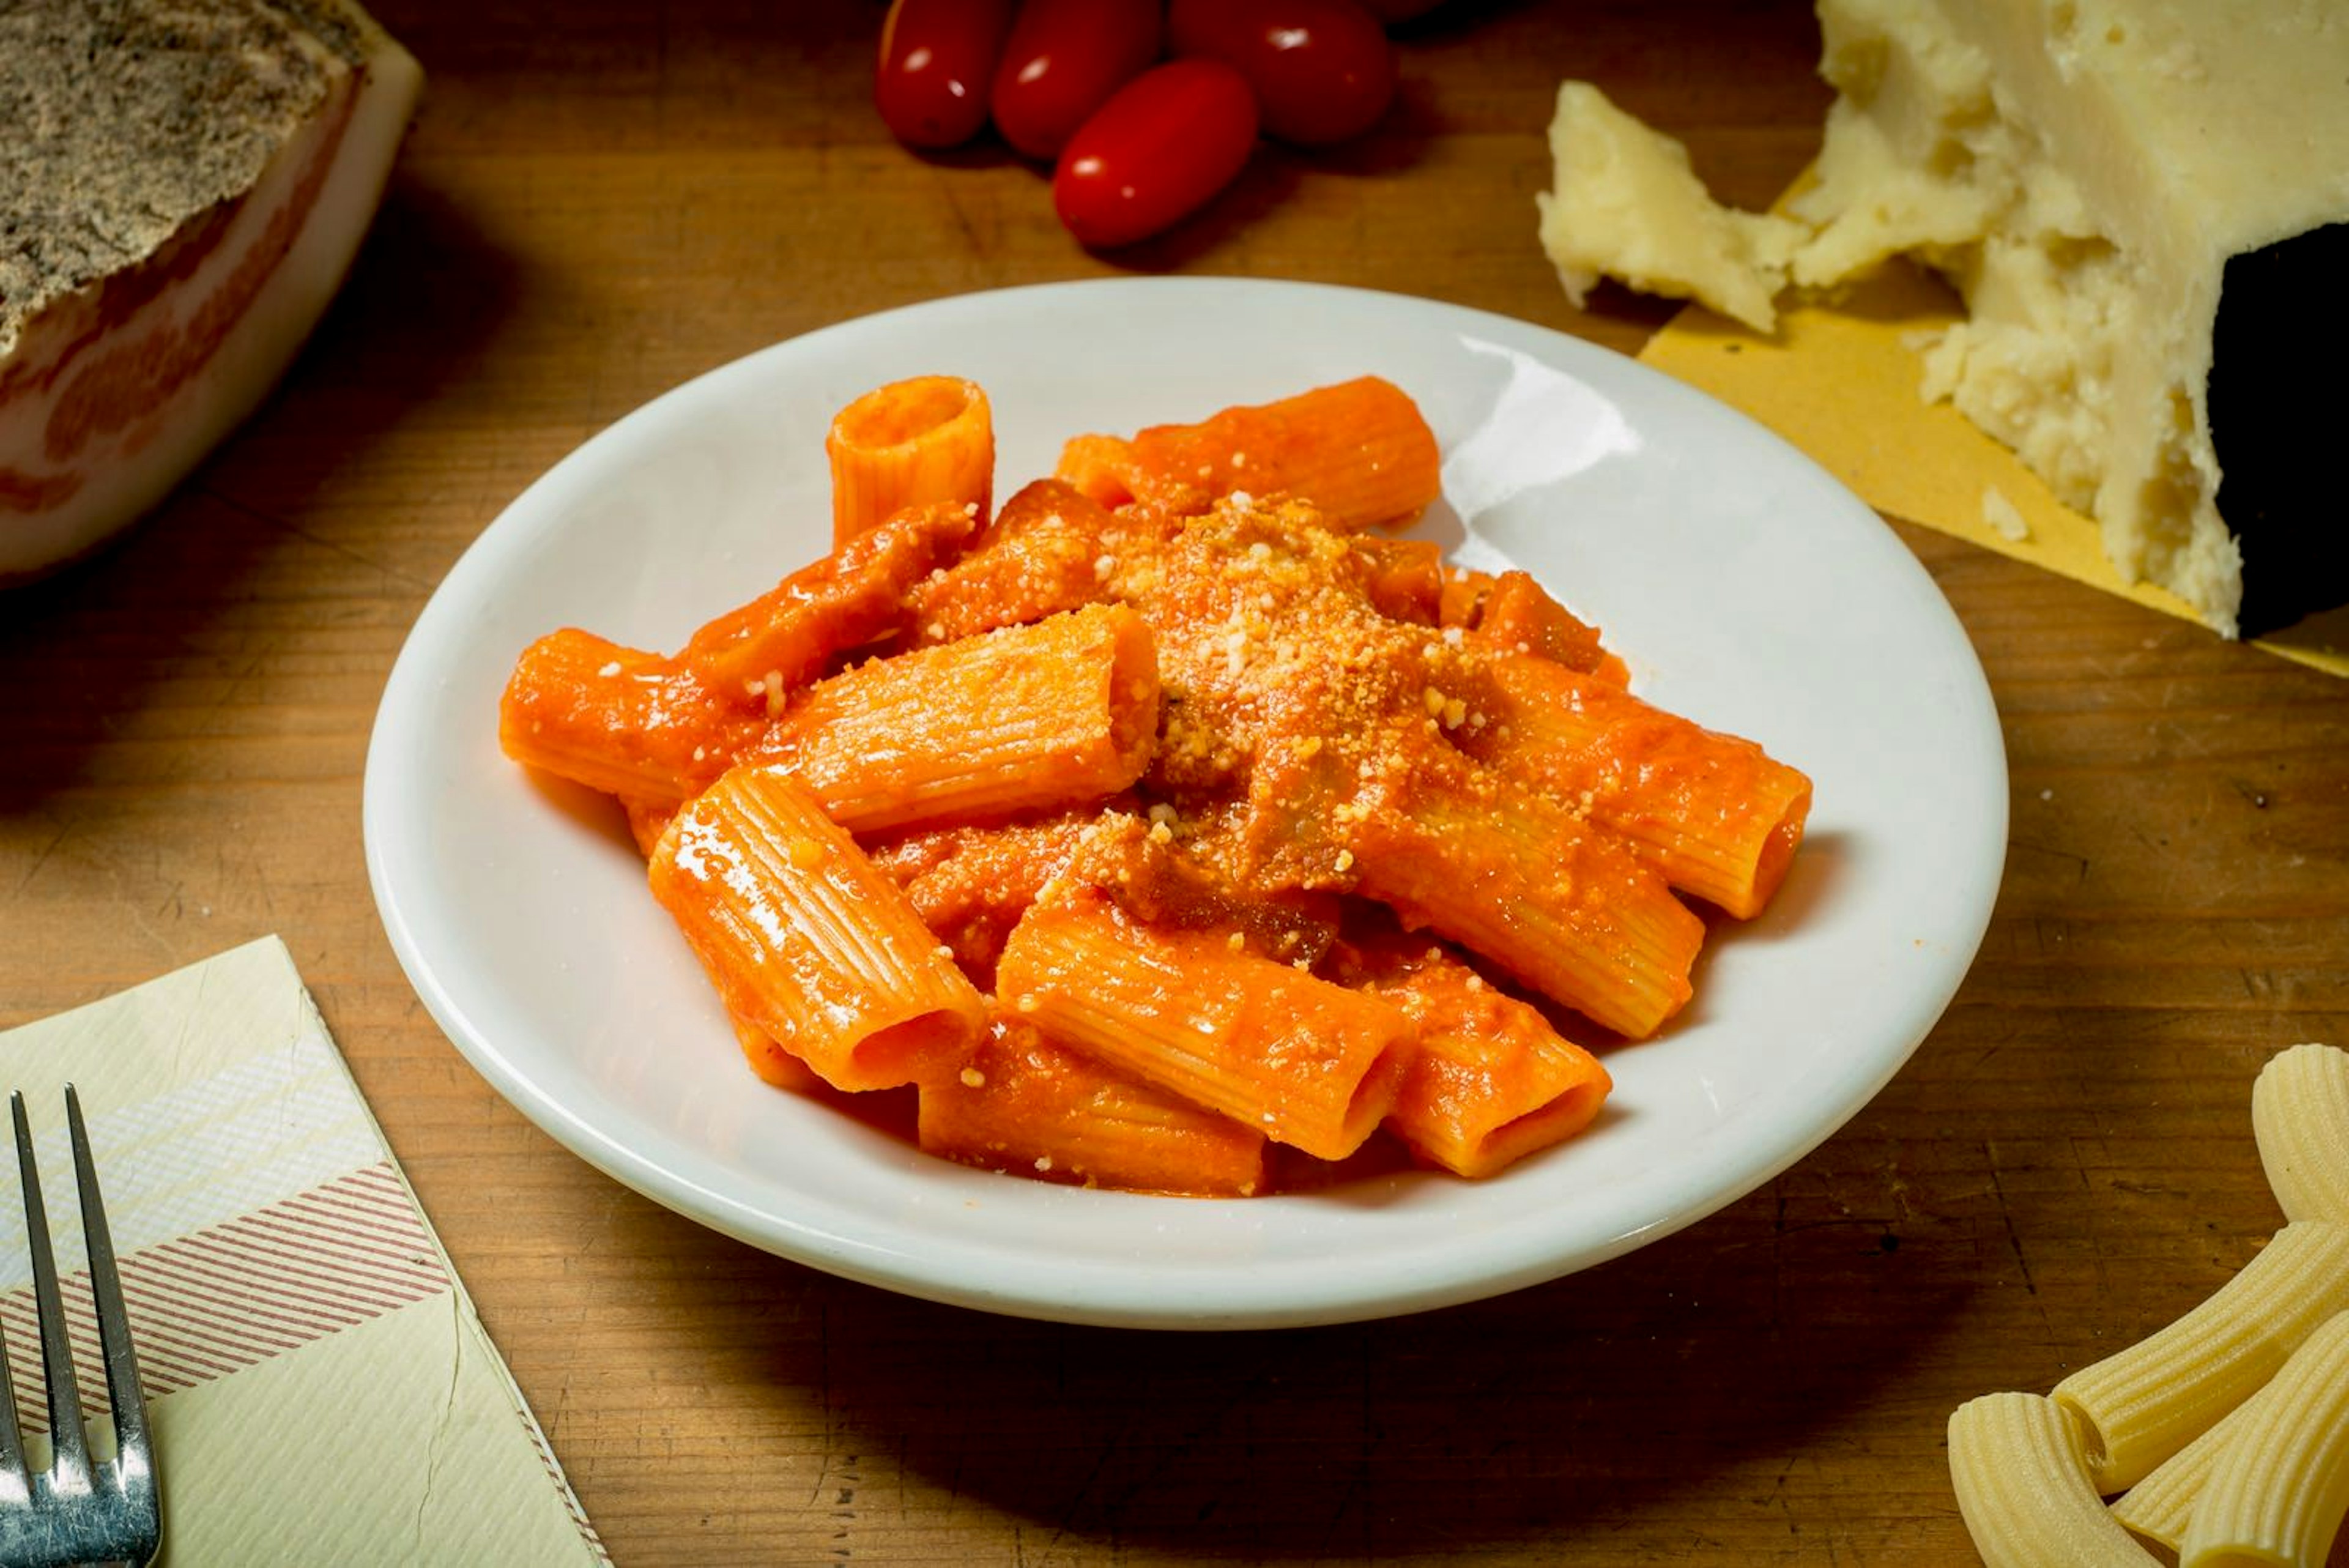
{"x": 319, "y": 1386}
{"x": 1841, "y": 382}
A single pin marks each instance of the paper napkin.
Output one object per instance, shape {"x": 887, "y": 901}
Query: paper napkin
{"x": 321, "y": 1390}
{"x": 1840, "y": 379}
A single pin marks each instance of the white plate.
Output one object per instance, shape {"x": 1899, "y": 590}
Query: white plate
{"x": 1749, "y": 590}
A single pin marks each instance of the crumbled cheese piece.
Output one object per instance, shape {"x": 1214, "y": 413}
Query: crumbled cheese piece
{"x": 2002, "y": 516}
{"x": 1626, "y": 204}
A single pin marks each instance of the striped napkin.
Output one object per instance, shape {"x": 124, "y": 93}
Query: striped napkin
{"x": 320, "y": 1388}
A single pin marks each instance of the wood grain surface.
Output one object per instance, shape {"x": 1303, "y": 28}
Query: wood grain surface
{"x": 604, "y": 198}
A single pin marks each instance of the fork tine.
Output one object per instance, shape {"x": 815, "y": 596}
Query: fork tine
{"x": 15, "y": 1478}
{"x": 69, "y": 1469}
{"x": 122, "y": 1386}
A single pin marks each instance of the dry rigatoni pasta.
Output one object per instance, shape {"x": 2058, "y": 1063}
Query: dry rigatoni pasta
{"x": 2300, "y": 1114}
{"x": 2023, "y": 1490}
{"x": 2141, "y": 1405}
{"x": 2278, "y": 1489}
{"x": 807, "y": 941}
{"x": 922, "y": 440}
{"x": 2161, "y": 1506}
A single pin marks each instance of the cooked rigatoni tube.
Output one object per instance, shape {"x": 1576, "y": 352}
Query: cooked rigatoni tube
{"x": 1491, "y": 1082}
{"x": 1359, "y": 450}
{"x": 910, "y": 444}
{"x": 1535, "y": 889}
{"x": 2299, "y": 1115}
{"x": 1026, "y": 1106}
{"x": 807, "y": 941}
{"x": 766, "y": 648}
{"x": 1716, "y": 815}
{"x": 971, "y": 882}
{"x": 2277, "y": 1490}
{"x": 1313, "y": 1064}
{"x": 1050, "y": 549}
{"x": 647, "y": 820}
{"x": 1025, "y": 718}
{"x": 2139, "y": 1405}
{"x": 618, "y": 720}
{"x": 2024, "y": 1488}
{"x": 1514, "y": 612}
{"x": 769, "y": 1060}
{"x": 1403, "y": 579}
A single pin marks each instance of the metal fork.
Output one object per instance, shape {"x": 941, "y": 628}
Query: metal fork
{"x": 77, "y": 1511}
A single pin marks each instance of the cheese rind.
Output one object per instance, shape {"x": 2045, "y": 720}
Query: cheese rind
{"x": 1627, "y": 204}
{"x": 193, "y": 187}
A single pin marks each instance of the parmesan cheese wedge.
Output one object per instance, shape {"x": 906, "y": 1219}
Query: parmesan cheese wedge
{"x": 2146, "y": 207}
{"x": 189, "y": 188}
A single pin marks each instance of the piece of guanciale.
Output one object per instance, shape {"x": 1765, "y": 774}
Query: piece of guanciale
{"x": 182, "y": 187}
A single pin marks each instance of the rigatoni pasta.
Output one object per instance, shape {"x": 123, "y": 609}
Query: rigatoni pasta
{"x": 2141, "y": 1405}
{"x": 1537, "y": 890}
{"x": 1491, "y": 1080}
{"x": 2279, "y": 1486}
{"x": 1164, "y": 816}
{"x": 1022, "y": 718}
{"x": 923, "y": 441}
{"x": 1026, "y": 1106}
{"x": 807, "y": 941}
{"x": 1716, "y": 816}
{"x": 2228, "y": 1429}
{"x": 631, "y": 724}
{"x": 778, "y": 642}
{"x": 1358, "y": 450}
{"x": 1310, "y": 1063}
{"x": 2161, "y": 1506}
{"x": 2023, "y": 1488}
{"x": 2299, "y": 1115}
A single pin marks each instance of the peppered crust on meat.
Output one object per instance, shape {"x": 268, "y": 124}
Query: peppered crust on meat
{"x": 128, "y": 118}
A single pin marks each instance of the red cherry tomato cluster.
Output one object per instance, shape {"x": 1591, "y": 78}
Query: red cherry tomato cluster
{"x": 1137, "y": 142}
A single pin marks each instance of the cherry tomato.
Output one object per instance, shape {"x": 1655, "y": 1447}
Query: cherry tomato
{"x": 1322, "y": 70}
{"x": 1064, "y": 60}
{"x": 936, "y": 58}
{"x": 1156, "y": 152}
